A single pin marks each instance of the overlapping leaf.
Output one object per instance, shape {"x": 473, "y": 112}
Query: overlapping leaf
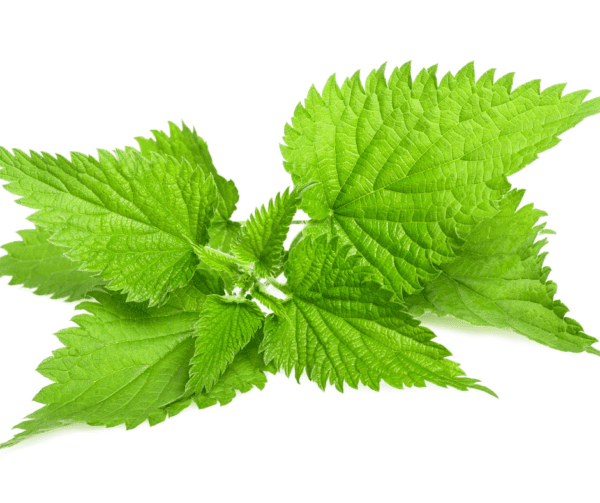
{"x": 186, "y": 144}
{"x": 247, "y": 371}
{"x": 36, "y": 263}
{"x": 408, "y": 166}
{"x": 406, "y": 182}
{"x": 119, "y": 366}
{"x": 126, "y": 363}
{"x": 341, "y": 327}
{"x": 225, "y": 326}
{"x": 134, "y": 221}
{"x": 499, "y": 280}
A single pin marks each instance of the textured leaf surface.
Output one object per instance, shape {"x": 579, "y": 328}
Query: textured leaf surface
{"x": 186, "y": 144}
{"x": 223, "y": 233}
{"x": 121, "y": 364}
{"x": 342, "y": 327}
{"x": 204, "y": 282}
{"x": 499, "y": 280}
{"x": 408, "y": 166}
{"x": 247, "y": 371}
{"x": 219, "y": 261}
{"x": 262, "y": 237}
{"x": 36, "y": 263}
{"x": 133, "y": 220}
{"x": 225, "y": 326}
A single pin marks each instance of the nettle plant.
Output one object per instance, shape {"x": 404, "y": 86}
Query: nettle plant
{"x": 405, "y": 183}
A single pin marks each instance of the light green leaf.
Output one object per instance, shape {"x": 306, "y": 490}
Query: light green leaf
{"x": 134, "y": 221}
{"x": 191, "y": 297}
{"x": 121, "y": 365}
{"x": 225, "y": 326}
{"x": 223, "y": 233}
{"x": 247, "y": 371}
{"x": 406, "y": 167}
{"x": 219, "y": 261}
{"x": 343, "y": 327}
{"x": 186, "y": 144}
{"x": 36, "y": 263}
{"x": 499, "y": 280}
{"x": 261, "y": 240}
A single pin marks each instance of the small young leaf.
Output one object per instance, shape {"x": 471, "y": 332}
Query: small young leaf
{"x": 36, "y": 263}
{"x": 134, "y": 221}
{"x": 499, "y": 280}
{"x": 261, "y": 240}
{"x": 225, "y": 326}
{"x": 342, "y": 327}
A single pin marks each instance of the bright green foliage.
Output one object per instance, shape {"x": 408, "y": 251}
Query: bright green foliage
{"x": 499, "y": 280}
{"x": 36, "y": 263}
{"x": 223, "y": 233}
{"x": 134, "y": 221}
{"x": 247, "y": 371}
{"x": 225, "y": 326}
{"x": 219, "y": 261}
{"x": 186, "y": 144}
{"x": 121, "y": 364}
{"x": 343, "y": 327}
{"x": 262, "y": 237}
{"x": 408, "y": 166}
{"x": 128, "y": 362}
{"x": 405, "y": 182}
{"x": 204, "y": 282}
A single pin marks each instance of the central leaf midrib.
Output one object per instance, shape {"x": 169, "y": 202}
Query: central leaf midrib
{"x": 442, "y": 136}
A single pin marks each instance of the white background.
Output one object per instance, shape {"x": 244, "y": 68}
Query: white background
{"x": 81, "y": 75}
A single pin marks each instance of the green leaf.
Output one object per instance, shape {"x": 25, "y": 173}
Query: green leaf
{"x": 219, "y": 261}
{"x": 499, "y": 280}
{"x": 186, "y": 144}
{"x": 261, "y": 240}
{"x": 121, "y": 365}
{"x": 343, "y": 327}
{"x": 225, "y": 326}
{"x": 204, "y": 282}
{"x": 406, "y": 167}
{"x": 245, "y": 372}
{"x": 36, "y": 263}
{"x": 134, "y": 221}
{"x": 223, "y": 233}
